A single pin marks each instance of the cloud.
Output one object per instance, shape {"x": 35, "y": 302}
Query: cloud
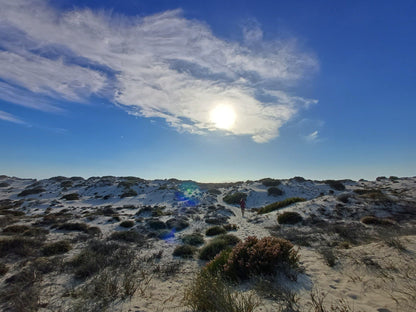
{"x": 158, "y": 66}
{"x": 312, "y": 137}
{"x": 11, "y": 118}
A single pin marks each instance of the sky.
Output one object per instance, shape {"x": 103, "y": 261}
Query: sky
{"x": 208, "y": 90}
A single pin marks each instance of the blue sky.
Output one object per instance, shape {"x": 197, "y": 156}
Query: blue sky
{"x": 208, "y": 90}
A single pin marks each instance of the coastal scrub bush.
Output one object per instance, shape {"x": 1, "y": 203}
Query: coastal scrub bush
{"x": 56, "y": 248}
{"x": 270, "y": 182}
{"x": 67, "y": 183}
{"x": 234, "y": 198}
{"x": 15, "y": 229}
{"x": 72, "y": 196}
{"x": 336, "y": 185}
{"x": 215, "y": 230}
{"x": 3, "y": 269}
{"x": 289, "y": 217}
{"x": 194, "y": 239}
{"x": 230, "y": 227}
{"x": 260, "y": 257}
{"x": 129, "y": 193}
{"x": 371, "y": 220}
{"x": 218, "y": 244}
{"x": 156, "y": 224}
{"x": 20, "y": 246}
{"x": 178, "y": 224}
{"x": 210, "y": 293}
{"x": 130, "y": 236}
{"x": 31, "y": 191}
{"x": 184, "y": 251}
{"x": 214, "y": 192}
{"x": 280, "y": 204}
{"x": 127, "y": 224}
{"x": 274, "y": 191}
{"x": 4, "y": 184}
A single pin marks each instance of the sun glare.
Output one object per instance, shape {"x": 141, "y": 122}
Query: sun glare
{"x": 223, "y": 116}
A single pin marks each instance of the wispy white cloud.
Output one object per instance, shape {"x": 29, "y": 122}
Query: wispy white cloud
{"x": 163, "y": 66}
{"x": 11, "y": 118}
{"x": 313, "y": 137}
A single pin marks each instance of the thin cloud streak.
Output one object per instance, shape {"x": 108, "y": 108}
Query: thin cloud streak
{"x": 11, "y": 118}
{"x": 159, "y": 66}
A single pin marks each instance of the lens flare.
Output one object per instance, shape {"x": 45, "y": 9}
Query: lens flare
{"x": 188, "y": 194}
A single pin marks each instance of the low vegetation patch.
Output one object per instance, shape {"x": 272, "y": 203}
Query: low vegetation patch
{"x": 15, "y": 229}
{"x": 178, "y": 224}
{"x": 3, "y": 269}
{"x": 280, "y": 204}
{"x": 56, "y": 248}
{"x": 215, "y": 230}
{"x": 129, "y": 193}
{"x": 289, "y": 217}
{"x": 130, "y": 236}
{"x": 31, "y": 191}
{"x": 127, "y": 224}
{"x": 20, "y": 246}
{"x": 234, "y": 198}
{"x": 230, "y": 227}
{"x": 218, "y": 244}
{"x": 214, "y": 192}
{"x": 184, "y": 251}
{"x": 270, "y": 182}
{"x": 195, "y": 239}
{"x": 81, "y": 227}
{"x": 336, "y": 185}
{"x": 274, "y": 191}
{"x": 371, "y": 220}
{"x": 72, "y": 196}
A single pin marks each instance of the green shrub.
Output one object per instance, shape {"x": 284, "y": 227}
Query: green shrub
{"x": 270, "y": 182}
{"x": 215, "y": 230}
{"x": 77, "y": 226}
{"x": 194, "y": 239}
{"x": 127, "y": 224}
{"x": 217, "y": 265}
{"x": 4, "y": 184}
{"x": 3, "y": 269}
{"x": 184, "y": 251}
{"x": 214, "y": 192}
{"x": 289, "y": 217}
{"x": 234, "y": 198}
{"x": 129, "y": 193}
{"x": 274, "y": 191}
{"x": 218, "y": 244}
{"x": 31, "y": 191}
{"x": 67, "y": 183}
{"x": 15, "y": 229}
{"x": 72, "y": 196}
{"x": 130, "y": 236}
{"x": 371, "y": 220}
{"x": 35, "y": 232}
{"x": 280, "y": 204}
{"x": 210, "y": 293}
{"x": 178, "y": 224}
{"x": 209, "y": 251}
{"x": 20, "y": 246}
{"x": 230, "y": 227}
{"x": 56, "y": 248}
{"x": 336, "y": 185}
{"x": 260, "y": 257}
{"x": 156, "y": 224}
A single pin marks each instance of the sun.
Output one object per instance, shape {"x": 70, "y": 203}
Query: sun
{"x": 223, "y": 116}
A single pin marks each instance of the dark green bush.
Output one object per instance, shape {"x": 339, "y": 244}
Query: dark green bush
{"x": 214, "y": 192}
{"x": 31, "y": 191}
{"x": 56, "y": 248}
{"x": 274, "y": 191}
{"x": 215, "y": 230}
{"x": 336, "y": 185}
{"x": 184, "y": 251}
{"x": 234, "y": 198}
{"x": 20, "y": 246}
{"x": 289, "y": 217}
{"x": 3, "y": 269}
{"x": 15, "y": 229}
{"x": 194, "y": 239}
{"x": 230, "y": 227}
{"x": 218, "y": 244}
{"x": 280, "y": 204}
{"x": 371, "y": 220}
{"x": 210, "y": 250}
{"x": 156, "y": 224}
{"x": 127, "y": 224}
{"x": 129, "y": 193}
{"x": 72, "y": 196}
{"x": 130, "y": 236}
{"x": 178, "y": 224}
{"x": 67, "y": 183}
{"x": 263, "y": 256}
{"x": 4, "y": 184}
{"x": 270, "y": 182}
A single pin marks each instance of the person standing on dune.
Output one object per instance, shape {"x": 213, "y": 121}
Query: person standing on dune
{"x": 243, "y": 206}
